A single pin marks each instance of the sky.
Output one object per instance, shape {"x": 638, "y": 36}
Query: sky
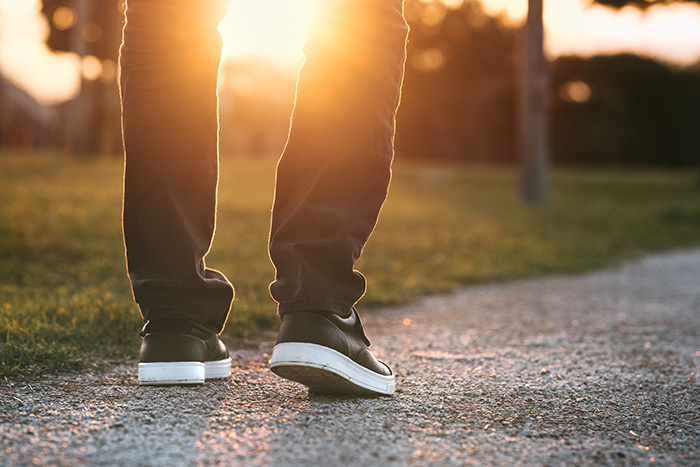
{"x": 276, "y": 28}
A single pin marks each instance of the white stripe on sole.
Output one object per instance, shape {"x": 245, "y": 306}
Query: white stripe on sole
{"x": 326, "y": 370}
{"x": 218, "y": 369}
{"x": 157, "y": 373}
{"x": 171, "y": 373}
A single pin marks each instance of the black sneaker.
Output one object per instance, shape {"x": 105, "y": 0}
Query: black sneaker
{"x": 329, "y": 354}
{"x": 173, "y": 351}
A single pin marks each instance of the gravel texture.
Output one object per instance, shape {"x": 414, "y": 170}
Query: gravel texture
{"x": 594, "y": 369}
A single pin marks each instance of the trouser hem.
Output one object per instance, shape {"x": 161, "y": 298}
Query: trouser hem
{"x": 340, "y": 308}
{"x": 213, "y": 326}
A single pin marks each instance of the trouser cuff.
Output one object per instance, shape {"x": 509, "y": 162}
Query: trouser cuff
{"x": 339, "y": 308}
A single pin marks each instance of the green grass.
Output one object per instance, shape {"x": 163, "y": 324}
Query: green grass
{"x": 65, "y": 301}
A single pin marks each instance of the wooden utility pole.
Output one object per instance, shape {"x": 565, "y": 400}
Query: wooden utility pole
{"x": 534, "y": 109}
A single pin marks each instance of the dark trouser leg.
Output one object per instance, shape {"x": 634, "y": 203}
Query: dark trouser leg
{"x": 333, "y": 176}
{"x": 170, "y": 59}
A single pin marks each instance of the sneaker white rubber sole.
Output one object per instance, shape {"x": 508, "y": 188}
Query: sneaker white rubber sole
{"x": 327, "y": 371}
{"x": 168, "y": 373}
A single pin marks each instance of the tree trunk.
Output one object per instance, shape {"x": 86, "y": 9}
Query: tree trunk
{"x": 534, "y": 121}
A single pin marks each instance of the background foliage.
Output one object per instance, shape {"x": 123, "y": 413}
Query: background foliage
{"x": 459, "y": 98}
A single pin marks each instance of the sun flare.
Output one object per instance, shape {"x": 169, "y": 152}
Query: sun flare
{"x": 272, "y": 28}
{"x": 276, "y": 30}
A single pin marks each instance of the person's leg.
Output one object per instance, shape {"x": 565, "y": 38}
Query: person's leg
{"x": 169, "y": 69}
{"x": 333, "y": 176}
{"x": 331, "y": 183}
{"x": 169, "y": 62}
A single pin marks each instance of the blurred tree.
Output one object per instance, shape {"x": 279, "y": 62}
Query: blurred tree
{"x": 625, "y": 110}
{"x": 458, "y": 101}
{"x": 460, "y": 90}
{"x": 459, "y": 98}
{"x": 643, "y": 4}
{"x": 92, "y": 30}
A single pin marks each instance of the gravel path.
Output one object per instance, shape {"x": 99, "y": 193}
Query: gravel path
{"x": 593, "y": 369}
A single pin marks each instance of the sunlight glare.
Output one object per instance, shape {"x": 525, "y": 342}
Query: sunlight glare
{"x": 276, "y": 29}
{"x": 272, "y": 28}
{"x": 514, "y": 10}
{"x": 669, "y": 32}
{"x": 25, "y": 59}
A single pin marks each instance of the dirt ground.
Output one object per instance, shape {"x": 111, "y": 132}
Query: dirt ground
{"x": 593, "y": 369}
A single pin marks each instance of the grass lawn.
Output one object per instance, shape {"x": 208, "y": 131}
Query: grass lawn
{"x": 65, "y": 300}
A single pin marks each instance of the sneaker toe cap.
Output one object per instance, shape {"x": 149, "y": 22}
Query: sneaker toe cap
{"x": 369, "y": 361}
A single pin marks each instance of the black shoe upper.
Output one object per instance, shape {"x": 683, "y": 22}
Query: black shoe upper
{"x": 344, "y": 335}
{"x": 177, "y": 340}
